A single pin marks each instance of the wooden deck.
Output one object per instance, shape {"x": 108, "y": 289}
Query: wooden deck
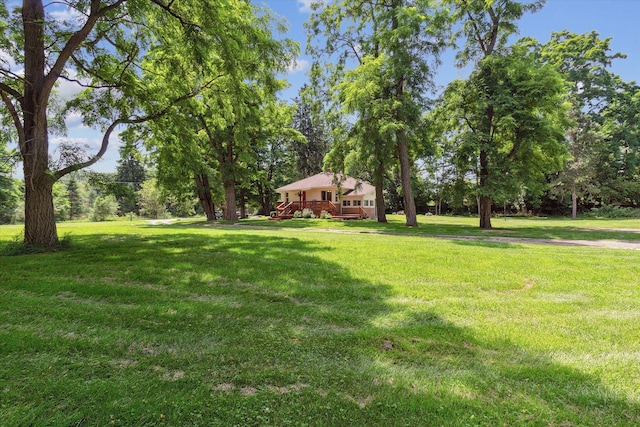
{"x": 286, "y": 210}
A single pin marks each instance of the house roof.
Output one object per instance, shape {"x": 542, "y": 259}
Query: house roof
{"x": 349, "y": 185}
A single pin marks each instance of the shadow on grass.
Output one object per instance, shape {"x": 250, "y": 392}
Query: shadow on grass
{"x": 241, "y": 329}
{"x": 570, "y": 231}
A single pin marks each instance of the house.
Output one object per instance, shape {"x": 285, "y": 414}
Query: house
{"x": 340, "y": 195}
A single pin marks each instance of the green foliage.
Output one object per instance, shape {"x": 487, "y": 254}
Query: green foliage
{"x": 297, "y": 214}
{"x": 61, "y": 203}
{"x": 604, "y": 141}
{"x": 9, "y": 197}
{"x": 613, "y": 212}
{"x": 308, "y": 154}
{"x": 104, "y": 207}
{"x": 130, "y": 174}
{"x": 379, "y": 68}
{"x": 507, "y": 124}
{"x": 152, "y": 203}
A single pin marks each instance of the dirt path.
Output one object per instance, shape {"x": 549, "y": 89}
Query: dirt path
{"x": 608, "y": 244}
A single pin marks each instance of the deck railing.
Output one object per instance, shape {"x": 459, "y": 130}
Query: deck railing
{"x": 317, "y": 206}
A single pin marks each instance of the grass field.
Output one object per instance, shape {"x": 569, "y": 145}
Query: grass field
{"x": 287, "y": 324}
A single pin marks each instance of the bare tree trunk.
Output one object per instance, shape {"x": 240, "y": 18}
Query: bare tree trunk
{"x": 405, "y": 174}
{"x": 204, "y": 195}
{"x": 230, "y": 199}
{"x": 484, "y": 203}
{"x": 485, "y": 212}
{"x": 574, "y": 205}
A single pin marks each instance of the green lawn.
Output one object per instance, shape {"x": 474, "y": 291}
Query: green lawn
{"x": 189, "y": 324}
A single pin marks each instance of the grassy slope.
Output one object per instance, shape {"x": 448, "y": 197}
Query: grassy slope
{"x": 185, "y": 324}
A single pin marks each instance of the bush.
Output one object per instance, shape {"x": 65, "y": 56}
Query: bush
{"x": 308, "y": 213}
{"x": 608, "y": 211}
{"x": 104, "y": 207}
{"x": 325, "y": 215}
{"x": 297, "y": 214}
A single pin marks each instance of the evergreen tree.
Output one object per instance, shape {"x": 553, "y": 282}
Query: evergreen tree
{"x": 309, "y": 155}
{"x": 76, "y": 201}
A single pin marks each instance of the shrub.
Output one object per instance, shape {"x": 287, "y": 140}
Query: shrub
{"x": 325, "y": 215}
{"x": 104, "y": 207}
{"x": 297, "y": 214}
{"x": 308, "y": 213}
{"x": 608, "y": 211}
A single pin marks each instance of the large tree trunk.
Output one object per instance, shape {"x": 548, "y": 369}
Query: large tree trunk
{"x": 39, "y": 216}
{"x": 204, "y": 195}
{"x": 39, "y": 223}
{"x": 405, "y": 175}
{"x": 379, "y": 184}
{"x": 484, "y": 205}
{"x": 230, "y": 199}
{"x": 484, "y": 202}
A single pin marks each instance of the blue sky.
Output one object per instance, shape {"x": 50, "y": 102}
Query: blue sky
{"x": 617, "y": 19}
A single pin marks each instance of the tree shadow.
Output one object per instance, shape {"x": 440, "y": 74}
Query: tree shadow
{"x": 215, "y": 327}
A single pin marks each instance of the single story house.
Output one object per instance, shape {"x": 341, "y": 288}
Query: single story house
{"x": 339, "y": 195}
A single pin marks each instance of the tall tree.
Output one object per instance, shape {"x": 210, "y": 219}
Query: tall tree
{"x": 486, "y": 27}
{"x": 222, "y": 125}
{"x": 508, "y": 121}
{"x": 103, "y": 47}
{"x": 309, "y": 153}
{"x": 76, "y": 201}
{"x": 603, "y": 141}
{"x": 397, "y": 42}
{"x": 130, "y": 173}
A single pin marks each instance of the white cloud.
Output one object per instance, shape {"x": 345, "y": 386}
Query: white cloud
{"x": 68, "y": 15}
{"x": 66, "y": 89}
{"x": 73, "y": 121}
{"x": 298, "y": 65}
{"x": 304, "y": 6}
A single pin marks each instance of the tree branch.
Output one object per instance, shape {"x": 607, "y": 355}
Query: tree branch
{"x": 5, "y": 88}
{"x": 132, "y": 120}
{"x": 15, "y": 117}
{"x": 96, "y": 12}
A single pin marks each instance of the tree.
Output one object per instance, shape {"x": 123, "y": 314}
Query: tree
{"x": 497, "y": 107}
{"x": 130, "y": 173}
{"x": 224, "y": 122}
{"x": 509, "y": 120}
{"x": 152, "y": 203}
{"x": 603, "y": 141}
{"x": 396, "y": 45}
{"x": 309, "y": 153}
{"x": 76, "y": 202}
{"x": 103, "y": 47}
{"x": 104, "y": 207}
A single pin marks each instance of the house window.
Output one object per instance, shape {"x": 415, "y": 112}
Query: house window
{"x": 357, "y": 203}
{"x": 346, "y": 203}
{"x": 286, "y": 197}
{"x": 323, "y": 195}
{"x": 336, "y": 197}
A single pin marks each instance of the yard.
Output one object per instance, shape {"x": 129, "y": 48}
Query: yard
{"x": 324, "y": 323}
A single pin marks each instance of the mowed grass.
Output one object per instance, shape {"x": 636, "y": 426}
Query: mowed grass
{"x": 188, "y": 324}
